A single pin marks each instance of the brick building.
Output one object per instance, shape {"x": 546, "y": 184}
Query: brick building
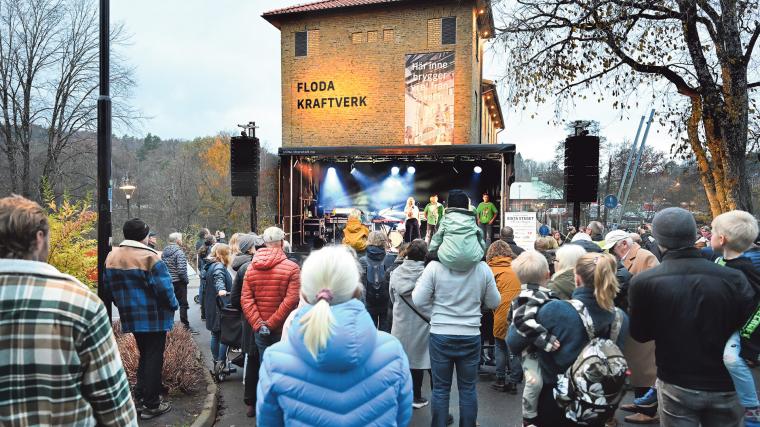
{"x": 386, "y": 72}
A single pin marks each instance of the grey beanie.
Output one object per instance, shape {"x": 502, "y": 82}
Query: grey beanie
{"x": 674, "y": 228}
{"x": 246, "y": 242}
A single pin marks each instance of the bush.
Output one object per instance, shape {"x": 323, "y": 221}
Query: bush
{"x": 72, "y": 250}
{"x": 182, "y": 372}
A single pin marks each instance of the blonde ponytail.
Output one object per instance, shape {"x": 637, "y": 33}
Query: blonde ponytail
{"x": 598, "y": 271}
{"x": 316, "y": 327}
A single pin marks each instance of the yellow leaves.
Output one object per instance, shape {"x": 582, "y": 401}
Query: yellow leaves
{"x": 72, "y": 249}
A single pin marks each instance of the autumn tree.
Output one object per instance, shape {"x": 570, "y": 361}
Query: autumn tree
{"x": 694, "y": 57}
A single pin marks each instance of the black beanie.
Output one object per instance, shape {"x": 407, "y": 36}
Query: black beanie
{"x": 674, "y": 228}
{"x": 458, "y": 199}
{"x": 135, "y": 229}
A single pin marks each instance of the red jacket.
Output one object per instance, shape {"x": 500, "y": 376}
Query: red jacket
{"x": 270, "y": 289}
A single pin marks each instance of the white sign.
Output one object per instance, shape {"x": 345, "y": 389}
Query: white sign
{"x": 524, "y": 224}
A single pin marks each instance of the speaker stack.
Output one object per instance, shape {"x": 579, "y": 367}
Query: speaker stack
{"x": 581, "y": 168}
{"x": 244, "y": 166}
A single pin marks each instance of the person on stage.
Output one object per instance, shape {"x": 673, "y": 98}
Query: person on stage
{"x": 434, "y": 213}
{"x": 486, "y": 214}
{"x": 412, "y": 225}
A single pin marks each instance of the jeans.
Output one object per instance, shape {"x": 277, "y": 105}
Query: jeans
{"x": 740, "y": 372}
{"x": 417, "y": 377}
{"x": 251, "y": 379}
{"x": 447, "y": 351}
{"x": 380, "y": 318}
{"x": 218, "y": 350}
{"x": 487, "y": 232}
{"x": 151, "y": 346}
{"x": 180, "y": 290}
{"x": 264, "y": 341}
{"x": 430, "y": 230}
{"x": 506, "y": 360}
{"x": 682, "y": 407}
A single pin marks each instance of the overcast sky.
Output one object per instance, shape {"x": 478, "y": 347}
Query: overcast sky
{"x": 204, "y": 66}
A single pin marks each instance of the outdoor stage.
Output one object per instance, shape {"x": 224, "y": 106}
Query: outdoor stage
{"x": 319, "y": 185}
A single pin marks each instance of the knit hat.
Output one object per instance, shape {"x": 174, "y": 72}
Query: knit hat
{"x": 674, "y": 228}
{"x": 246, "y": 242}
{"x": 135, "y": 229}
{"x": 273, "y": 234}
{"x": 458, "y": 199}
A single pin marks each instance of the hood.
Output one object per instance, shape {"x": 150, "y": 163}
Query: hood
{"x": 240, "y": 260}
{"x": 354, "y": 225}
{"x": 500, "y": 261}
{"x": 268, "y": 258}
{"x": 170, "y": 251}
{"x": 563, "y": 283}
{"x": 375, "y": 253}
{"x": 351, "y": 342}
{"x": 588, "y": 246}
{"x": 460, "y": 221}
{"x": 405, "y": 276}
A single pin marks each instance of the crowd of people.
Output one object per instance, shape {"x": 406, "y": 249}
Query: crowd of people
{"x": 345, "y": 339}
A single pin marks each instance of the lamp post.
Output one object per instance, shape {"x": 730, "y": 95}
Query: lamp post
{"x": 128, "y": 190}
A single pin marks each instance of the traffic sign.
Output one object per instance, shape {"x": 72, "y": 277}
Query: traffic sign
{"x": 611, "y": 201}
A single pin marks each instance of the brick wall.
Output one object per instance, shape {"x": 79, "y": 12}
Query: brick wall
{"x": 372, "y": 65}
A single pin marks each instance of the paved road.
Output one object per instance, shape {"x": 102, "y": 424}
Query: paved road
{"x": 495, "y": 409}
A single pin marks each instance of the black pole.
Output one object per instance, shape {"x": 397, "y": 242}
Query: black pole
{"x": 254, "y": 216}
{"x": 577, "y": 215}
{"x": 104, "y": 155}
{"x": 129, "y": 212}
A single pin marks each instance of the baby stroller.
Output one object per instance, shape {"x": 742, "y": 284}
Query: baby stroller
{"x": 232, "y": 336}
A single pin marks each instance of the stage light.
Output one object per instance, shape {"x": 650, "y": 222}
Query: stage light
{"x": 394, "y": 170}
{"x": 353, "y": 169}
{"x": 455, "y": 169}
{"x": 477, "y": 169}
{"x": 331, "y": 170}
{"x": 411, "y": 170}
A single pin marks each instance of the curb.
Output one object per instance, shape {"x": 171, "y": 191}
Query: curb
{"x": 207, "y": 417}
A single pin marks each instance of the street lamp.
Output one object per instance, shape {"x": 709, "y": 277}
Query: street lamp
{"x": 128, "y": 189}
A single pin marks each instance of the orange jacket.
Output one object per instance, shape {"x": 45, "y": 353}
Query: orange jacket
{"x": 270, "y": 289}
{"x": 509, "y": 287}
{"x": 355, "y": 235}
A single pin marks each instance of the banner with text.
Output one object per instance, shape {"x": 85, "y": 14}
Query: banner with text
{"x": 429, "y": 98}
{"x": 524, "y": 224}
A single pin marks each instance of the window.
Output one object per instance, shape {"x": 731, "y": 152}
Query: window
{"x": 357, "y": 38}
{"x": 434, "y": 32}
{"x": 388, "y": 35}
{"x": 301, "y": 43}
{"x": 449, "y": 30}
{"x": 313, "y": 42}
{"x": 371, "y": 36}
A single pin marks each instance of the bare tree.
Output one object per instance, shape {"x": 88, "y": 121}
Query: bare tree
{"x": 48, "y": 83}
{"x": 694, "y": 56}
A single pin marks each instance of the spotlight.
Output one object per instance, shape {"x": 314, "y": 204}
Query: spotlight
{"x": 411, "y": 170}
{"x": 331, "y": 170}
{"x": 394, "y": 170}
{"x": 455, "y": 169}
{"x": 477, "y": 169}
{"x": 353, "y": 169}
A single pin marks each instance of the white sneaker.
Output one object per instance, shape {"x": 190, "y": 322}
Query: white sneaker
{"x": 420, "y": 403}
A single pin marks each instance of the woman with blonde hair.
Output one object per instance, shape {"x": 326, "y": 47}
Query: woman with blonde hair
{"x": 217, "y": 287}
{"x": 562, "y": 282}
{"x": 412, "y": 224}
{"x": 335, "y": 368}
{"x": 596, "y": 288}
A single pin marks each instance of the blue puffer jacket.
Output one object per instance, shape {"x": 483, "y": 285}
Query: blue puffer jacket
{"x": 754, "y": 256}
{"x": 360, "y": 379}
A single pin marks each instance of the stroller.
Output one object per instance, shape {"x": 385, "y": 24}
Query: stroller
{"x": 232, "y": 336}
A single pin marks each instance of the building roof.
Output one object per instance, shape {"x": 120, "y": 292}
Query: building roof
{"x": 485, "y": 15}
{"x": 534, "y": 190}
{"x": 489, "y": 93}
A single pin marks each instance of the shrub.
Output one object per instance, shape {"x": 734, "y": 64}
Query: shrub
{"x": 72, "y": 250}
{"x": 182, "y": 372}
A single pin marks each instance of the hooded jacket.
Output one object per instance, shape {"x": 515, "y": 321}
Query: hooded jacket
{"x": 176, "y": 262}
{"x": 408, "y": 327}
{"x": 361, "y": 378}
{"x": 270, "y": 289}
{"x": 459, "y": 241}
{"x": 376, "y": 255}
{"x": 563, "y": 283}
{"x": 355, "y": 235}
{"x": 509, "y": 287}
{"x": 240, "y": 266}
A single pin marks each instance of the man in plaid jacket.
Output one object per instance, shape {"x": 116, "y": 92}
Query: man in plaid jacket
{"x": 58, "y": 357}
{"x": 141, "y": 287}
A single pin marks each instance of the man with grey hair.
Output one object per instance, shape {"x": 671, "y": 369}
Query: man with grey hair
{"x": 176, "y": 262}
{"x": 507, "y": 234}
{"x": 596, "y": 230}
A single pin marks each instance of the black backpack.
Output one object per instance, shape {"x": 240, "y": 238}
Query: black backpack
{"x": 377, "y": 287}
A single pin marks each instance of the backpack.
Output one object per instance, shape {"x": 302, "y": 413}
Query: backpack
{"x": 591, "y": 389}
{"x": 377, "y": 288}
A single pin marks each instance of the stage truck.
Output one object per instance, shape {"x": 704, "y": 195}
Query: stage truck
{"x": 320, "y": 186}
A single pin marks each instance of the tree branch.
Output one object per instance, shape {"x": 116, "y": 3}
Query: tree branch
{"x": 751, "y": 44}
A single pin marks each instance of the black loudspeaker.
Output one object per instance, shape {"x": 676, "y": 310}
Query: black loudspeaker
{"x": 244, "y": 166}
{"x": 581, "y": 168}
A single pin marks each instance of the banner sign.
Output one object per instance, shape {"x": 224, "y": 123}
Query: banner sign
{"x": 524, "y": 224}
{"x": 429, "y": 98}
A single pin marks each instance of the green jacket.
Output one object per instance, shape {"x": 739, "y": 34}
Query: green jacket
{"x": 459, "y": 241}
{"x": 486, "y": 212}
{"x": 429, "y": 210}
